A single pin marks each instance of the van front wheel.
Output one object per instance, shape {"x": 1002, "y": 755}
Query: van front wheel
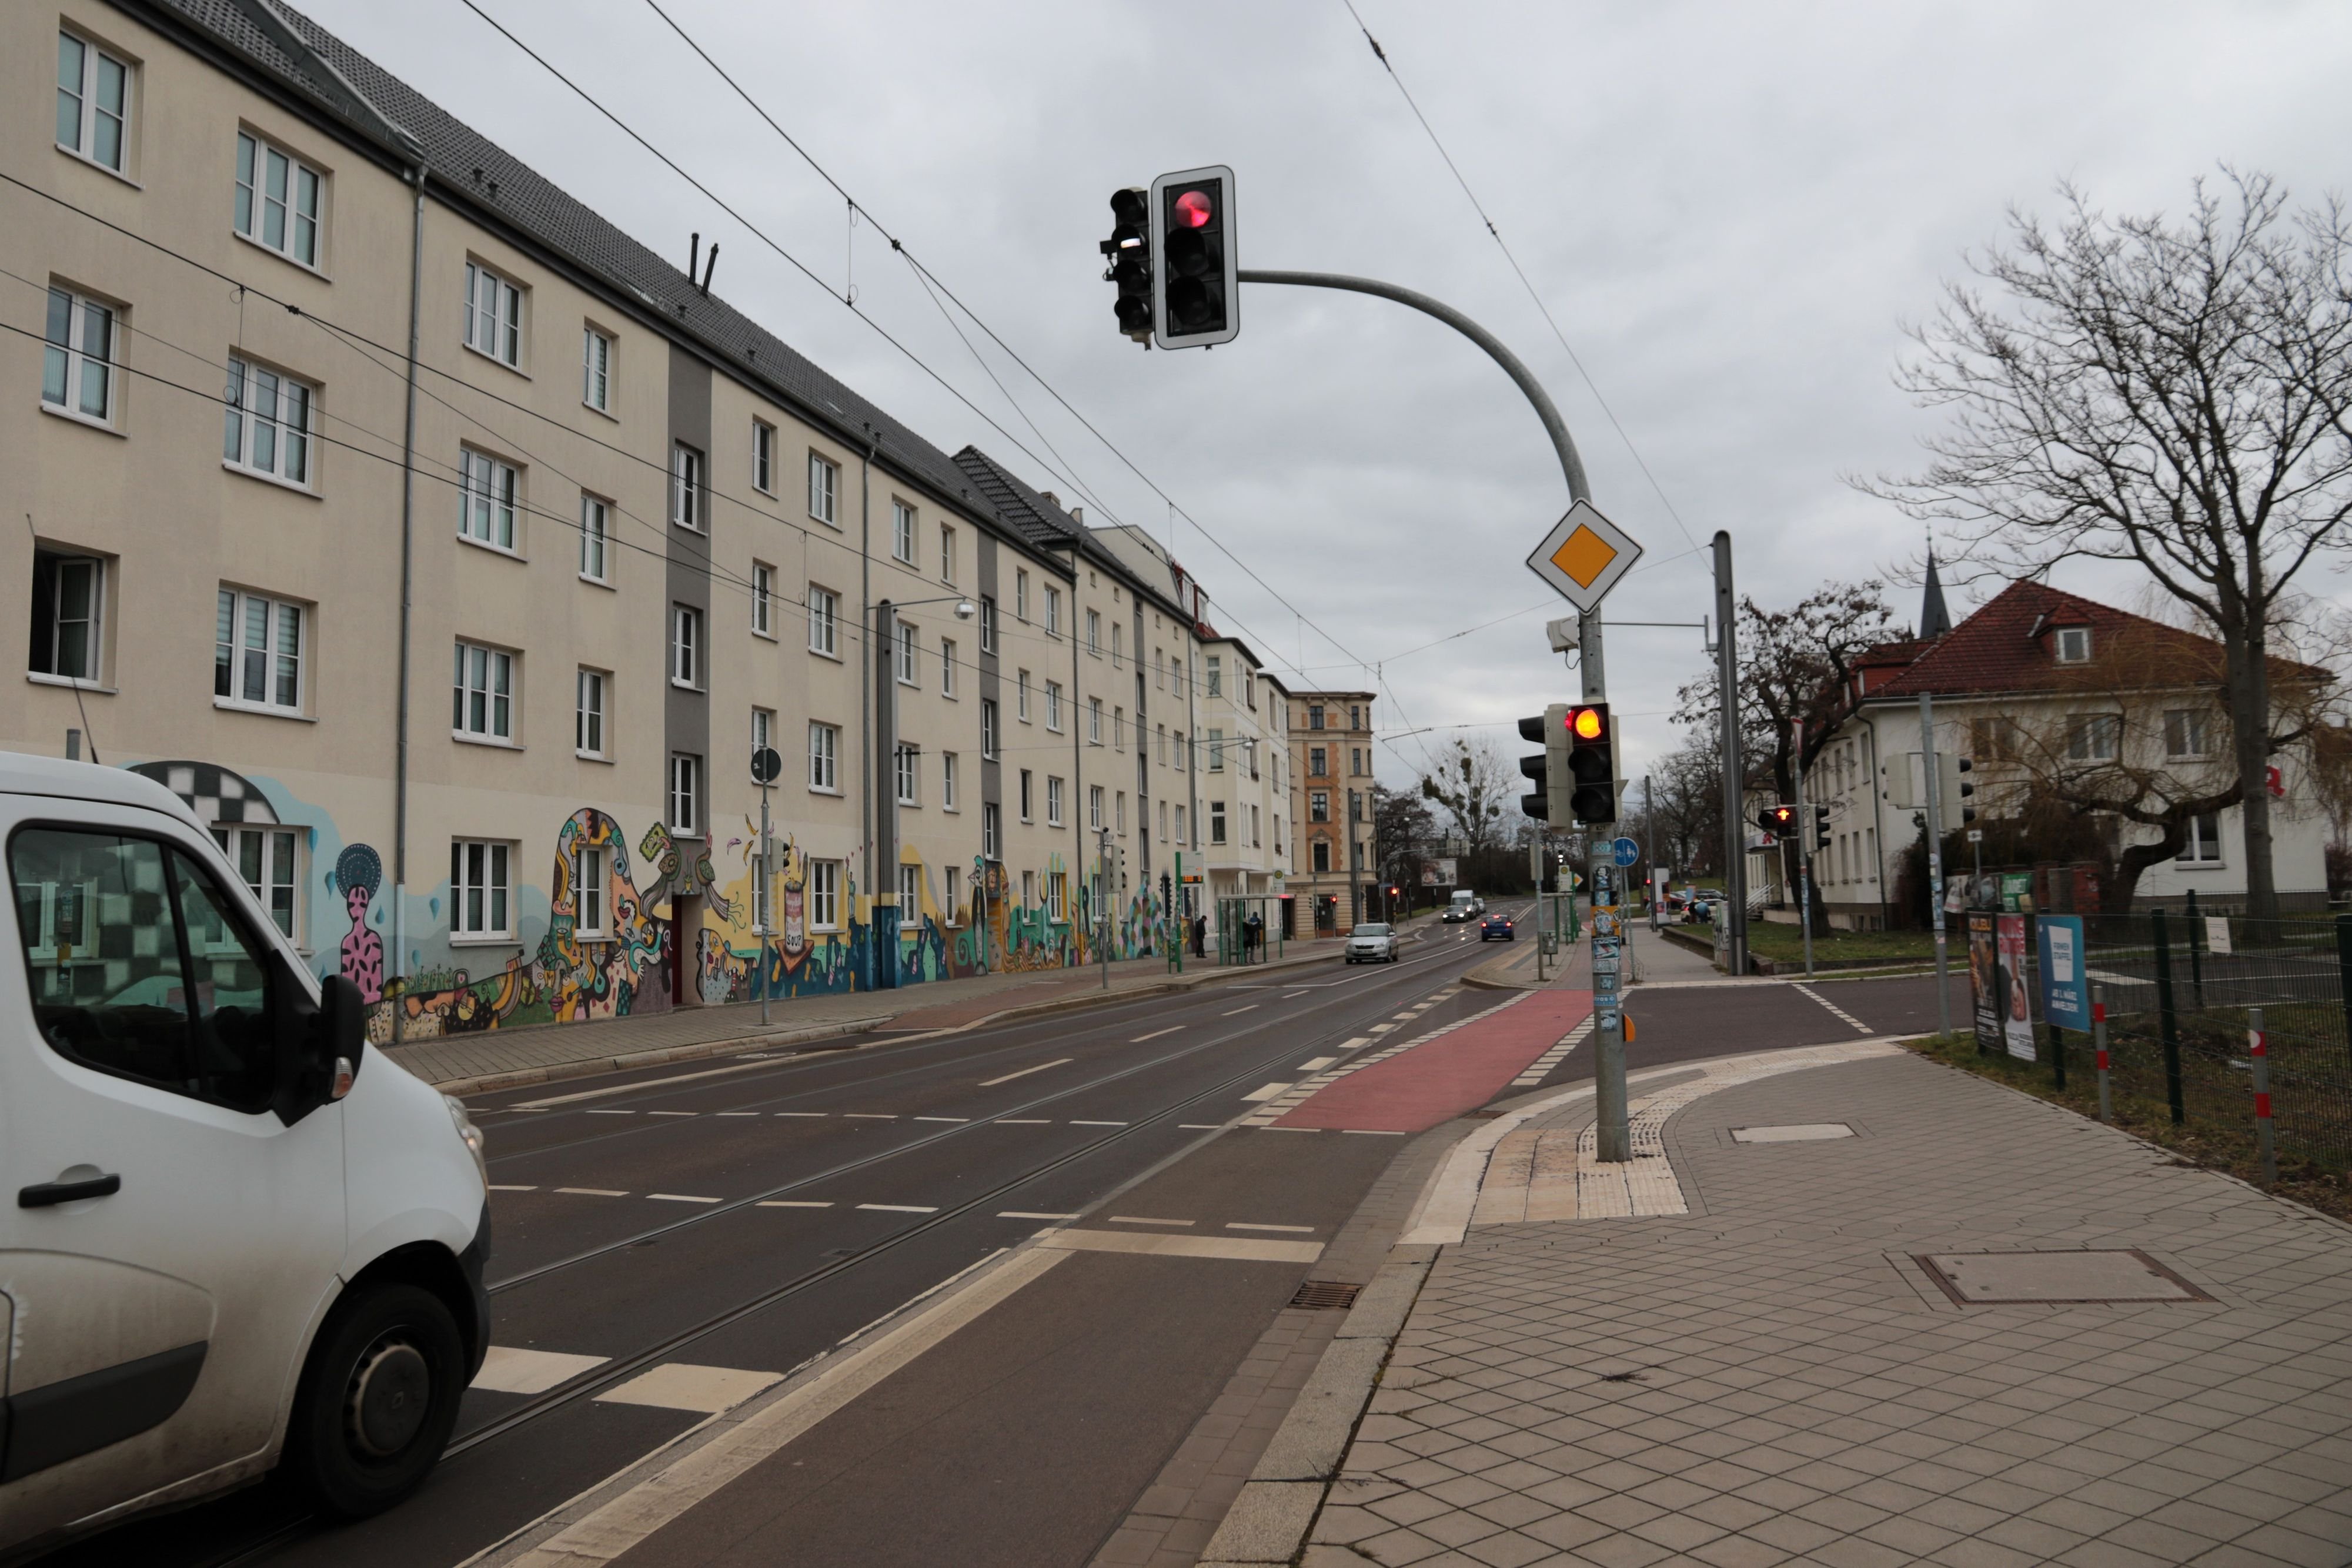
{"x": 377, "y": 1400}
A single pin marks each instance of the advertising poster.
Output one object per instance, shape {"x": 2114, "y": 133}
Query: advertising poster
{"x": 1984, "y": 981}
{"x": 1438, "y": 872}
{"x": 2016, "y": 1012}
{"x": 2065, "y": 991}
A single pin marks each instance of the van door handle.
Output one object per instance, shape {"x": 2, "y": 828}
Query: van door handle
{"x": 41, "y": 1195}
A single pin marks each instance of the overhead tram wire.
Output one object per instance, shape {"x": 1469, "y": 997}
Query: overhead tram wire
{"x": 1390, "y": 65}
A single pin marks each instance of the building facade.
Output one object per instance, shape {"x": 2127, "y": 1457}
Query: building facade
{"x": 623, "y": 536}
{"x": 1332, "y": 736}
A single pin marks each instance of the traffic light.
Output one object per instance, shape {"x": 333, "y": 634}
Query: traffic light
{"x": 1955, "y": 789}
{"x": 1781, "y": 822}
{"x": 1551, "y": 801}
{"x": 1196, "y": 291}
{"x": 1821, "y": 826}
{"x": 1130, "y": 264}
{"x": 1591, "y": 763}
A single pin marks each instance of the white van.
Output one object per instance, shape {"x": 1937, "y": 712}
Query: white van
{"x": 241, "y": 1238}
{"x": 1463, "y": 907}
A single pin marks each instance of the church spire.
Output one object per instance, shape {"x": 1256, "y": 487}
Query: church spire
{"x": 1934, "y": 620}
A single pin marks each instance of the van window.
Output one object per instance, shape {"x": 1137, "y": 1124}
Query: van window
{"x": 112, "y": 926}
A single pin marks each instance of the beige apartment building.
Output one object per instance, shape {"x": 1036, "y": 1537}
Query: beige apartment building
{"x": 1331, "y": 752}
{"x": 335, "y": 390}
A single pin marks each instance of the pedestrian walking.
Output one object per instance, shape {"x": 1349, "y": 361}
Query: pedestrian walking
{"x": 1200, "y": 936}
{"x": 1254, "y": 935}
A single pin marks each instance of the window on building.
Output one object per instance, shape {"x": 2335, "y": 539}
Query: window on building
{"x": 1315, "y": 716}
{"x": 902, "y": 531}
{"x": 1315, "y": 757}
{"x": 686, "y": 486}
{"x": 1255, "y": 840}
{"x": 93, "y": 101}
{"x": 1052, "y": 611}
{"x": 1178, "y": 757}
{"x": 1179, "y": 824}
{"x": 764, "y": 457}
{"x": 588, "y": 713}
{"x": 1158, "y": 668}
{"x": 264, "y": 858}
{"x": 1119, "y": 813}
{"x": 1118, "y": 643}
{"x": 487, "y": 499}
{"x": 947, "y": 781}
{"x": 823, "y": 621}
{"x": 595, "y": 369}
{"x": 1028, "y": 890}
{"x": 596, "y": 537}
{"x": 588, "y": 892}
{"x": 68, "y": 612}
{"x": 1993, "y": 738}
{"x": 1355, "y": 716}
{"x": 988, "y": 727}
{"x": 267, "y": 423}
{"x": 78, "y": 362}
{"x": 1021, "y": 596}
{"x": 1053, "y": 706}
{"x": 258, "y": 651}
{"x": 987, "y": 624}
{"x": 910, "y": 894}
{"x": 1318, "y": 805}
{"x": 2186, "y": 733}
{"x": 2204, "y": 844}
{"x": 763, "y": 734}
{"x": 2073, "y": 644}
{"x": 991, "y": 831}
{"x": 1028, "y": 799}
{"x": 904, "y": 653}
{"x": 2094, "y": 738}
{"x": 1119, "y": 729}
{"x": 480, "y": 901}
{"x": 1093, "y": 631}
{"x": 1217, "y": 751}
{"x": 1216, "y": 821}
{"x": 1164, "y": 822}
{"x": 1052, "y": 800}
{"x": 1160, "y": 747}
{"x": 824, "y": 756}
{"x": 1216, "y": 675}
{"x": 1321, "y": 855}
{"x": 824, "y": 895}
{"x": 947, "y": 667}
{"x": 1021, "y": 696}
{"x": 277, "y": 199}
{"x": 947, "y": 554}
{"x": 763, "y": 598}
{"x": 1094, "y": 807}
{"x": 824, "y": 490}
{"x": 493, "y": 315}
{"x": 684, "y": 646}
{"x": 1093, "y": 721}
{"x": 482, "y": 701}
{"x": 1354, "y": 806}
{"x": 1057, "y": 893}
{"x": 684, "y": 794}
{"x": 906, "y": 771}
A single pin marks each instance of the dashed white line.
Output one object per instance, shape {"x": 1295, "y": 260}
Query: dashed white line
{"x": 594, "y": 1191}
{"x": 1144, "y": 1219}
{"x": 1027, "y": 1214}
{"x": 1236, "y": 1012}
{"x": 993, "y": 1083}
{"x": 902, "y": 1207}
{"x": 612, "y": 1112}
{"x": 798, "y": 1113}
{"x": 1347, "y": 1045}
{"x": 1382, "y": 1027}
{"x": 869, "y": 1115}
{"x": 739, "y": 1113}
{"x": 1199, "y": 1126}
{"x": 678, "y": 1198}
{"x": 1373, "y": 1132}
{"x": 790, "y": 1203}
{"x": 1267, "y": 1091}
{"x": 1245, "y": 1225}
{"x": 943, "y": 1118}
{"x": 1316, "y": 1063}
{"x": 1287, "y": 995}
{"x": 1155, "y": 1034}
{"x": 1840, "y": 1012}
{"x": 1023, "y": 1121}
{"x": 1074, "y": 1122}
{"x": 672, "y": 1112}
{"x": 496, "y": 1186}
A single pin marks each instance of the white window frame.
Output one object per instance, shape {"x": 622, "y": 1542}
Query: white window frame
{"x": 595, "y": 540}
{"x": 948, "y": 781}
{"x": 591, "y": 723}
{"x": 910, "y": 894}
{"x": 88, "y": 114}
{"x": 947, "y": 668}
{"x": 824, "y": 895}
{"x": 2094, "y": 738}
{"x": 2202, "y": 850}
{"x": 70, "y": 365}
{"x": 1093, "y": 721}
{"x": 906, "y": 771}
{"x": 1094, "y": 633}
{"x": 825, "y": 489}
{"x": 948, "y": 554}
{"x": 1052, "y": 611}
{"x": 991, "y": 831}
{"x": 481, "y": 890}
{"x": 1021, "y": 696}
{"x": 823, "y": 621}
{"x": 595, "y": 369}
{"x": 1118, "y": 728}
{"x": 905, "y": 652}
{"x": 688, "y": 485}
{"x": 686, "y": 647}
{"x": 234, "y": 656}
{"x": 1216, "y": 821}
{"x": 2190, "y": 729}
{"x": 763, "y": 456}
{"x": 493, "y": 315}
{"x": 987, "y": 624}
{"x": 989, "y": 720}
{"x": 1021, "y": 597}
{"x": 823, "y": 757}
{"x": 1118, "y": 813}
{"x": 263, "y": 407}
{"x": 763, "y": 730}
{"x": 763, "y": 599}
{"x": 1118, "y": 645}
{"x": 1217, "y": 751}
{"x": 590, "y": 895}
{"x": 1052, "y": 800}
{"x": 902, "y": 532}
{"x": 1053, "y": 706}
{"x": 2072, "y": 645}
{"x": 1028, "y": 796}
{"x": 685, "y": 795}
{"x": 1094, "y": 807}
{"x": 1058, "y": 888}
{"x": 490, "y": 492}
{"x": 496, "y": 698}
{"x": 260, "y": 164}
{"x": 94, "y": 623}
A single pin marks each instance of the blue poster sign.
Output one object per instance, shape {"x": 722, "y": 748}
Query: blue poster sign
{"x": 1627, "y": 852}
{"x": 2066, "y": 993}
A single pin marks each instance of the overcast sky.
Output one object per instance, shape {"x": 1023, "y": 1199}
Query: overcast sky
{"x": 1731, "y": 211}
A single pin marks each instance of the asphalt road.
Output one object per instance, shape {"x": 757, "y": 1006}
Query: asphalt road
{"x": 738, "y": 1218}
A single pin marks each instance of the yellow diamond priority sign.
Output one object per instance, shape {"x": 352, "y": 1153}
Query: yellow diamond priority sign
{"x": 1583, "y": 556}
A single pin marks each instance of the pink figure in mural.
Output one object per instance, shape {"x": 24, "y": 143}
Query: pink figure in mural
{"x": 359, "y": 872}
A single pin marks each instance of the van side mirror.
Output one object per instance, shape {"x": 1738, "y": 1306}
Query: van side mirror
{"x": 339, "y": 1032}
{"x": 319, "y": 1047}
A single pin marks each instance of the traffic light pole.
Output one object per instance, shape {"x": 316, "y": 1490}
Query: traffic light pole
{"x": 1935, "y": 833}
{"x": 1804, "y": 854}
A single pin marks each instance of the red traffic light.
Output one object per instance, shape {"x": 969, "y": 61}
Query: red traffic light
{"x": 1193, "y": 209}
{"x": 1588, "y": 722}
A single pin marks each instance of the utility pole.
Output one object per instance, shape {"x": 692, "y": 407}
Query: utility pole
{"x": 883, "y": 769}
{"x": 1735, "y": 833}
{"x": 764, "y": 906}
{"x": 1935, "y": 856}
{"x": 1805, "y": 852}
{"x": 1102, "y": 901}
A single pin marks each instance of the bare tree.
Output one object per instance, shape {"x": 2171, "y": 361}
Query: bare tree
{"x": 1473, "y": 788}
{"x": 2177, "y": 393}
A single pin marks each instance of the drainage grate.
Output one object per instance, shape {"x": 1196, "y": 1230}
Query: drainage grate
{"x": 1316, "y": 1294}
{"x": 2119, "y": 1275}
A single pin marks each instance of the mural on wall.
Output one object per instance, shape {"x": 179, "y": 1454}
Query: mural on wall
{"x": 359, "y": 872}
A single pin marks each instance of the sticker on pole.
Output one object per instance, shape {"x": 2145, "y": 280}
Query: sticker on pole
{"x": 1583, "y": 556}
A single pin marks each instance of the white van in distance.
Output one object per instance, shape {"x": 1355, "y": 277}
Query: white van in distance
{"x": 241, "y": 1239}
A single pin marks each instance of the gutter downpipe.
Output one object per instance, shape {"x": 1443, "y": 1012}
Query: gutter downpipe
{"x": 865, "y": 689}
{"x": 1877, "y": 823}
{"x": 407, "y": 600}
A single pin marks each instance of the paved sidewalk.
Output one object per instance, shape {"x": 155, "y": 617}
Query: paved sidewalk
{"x": 1750, "y": 1365}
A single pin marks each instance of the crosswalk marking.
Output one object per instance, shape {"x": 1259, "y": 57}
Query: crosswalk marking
{"x": 1267, "y": 1091}
{"x": 511, "y": 1369}
{"x": 1540, "y": 1068}
{"x": 680, "y": 1386}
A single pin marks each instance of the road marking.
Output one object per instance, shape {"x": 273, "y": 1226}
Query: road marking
{"x": 739, "y": 1113}
{"x": 1840, "y": 1012}
{"x": 943, "y": 1118}
{"x": 1155, "y": 1034}
{"x": 632, "y": 1518}
{"x": 673, "y": 1112}
{"x": 681, "y": 1385}
{"x": 1144, "y": 1219}
{"x": 612, "y": 1112}
{"x": 803, "y": 1113}
{"x": 497, "y": 1187}
{"x": 1352, "y": 1044}
{"x": 1536, "y": 1072}
{"x": 1315, "y": 1063}
{"x": 1241, "y": 1248}
{"x": 510, "y": 1369}
{"x": 1236, "y": 1012}
{"x": 1245, "y": 1225}
{"x": 678, "y": 1198}
{"x": 1199, "y": 1126}
{"x": 1382, "y": 1027}
{"x": 745, "y": 1066}
{"x": 1026, "y": 1214}
{"x": 1373, "y": 1132}
{"x": 1274, "y": 1129}
{"x": 1024, "y": 1121}
{"x": 1268, "y": 1091}
{"x": 595, "y": 1191}
{"x": 869, "y": 1115}
{"x": 1400, "y": 1017}
{"x": 993, "y": 1083}
{"x": 791, "y": 1203}
{"x": 1074, "y": 1122}
{"x": 901, "y": 1207}
{"x": 1287, "y": 995}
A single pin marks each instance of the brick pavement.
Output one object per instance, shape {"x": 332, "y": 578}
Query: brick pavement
{"x": 1770, "y": 1376}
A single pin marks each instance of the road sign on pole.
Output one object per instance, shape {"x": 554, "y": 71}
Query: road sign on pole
{"x": 1583, "y": 556}
{"x": 1627, "y": 852}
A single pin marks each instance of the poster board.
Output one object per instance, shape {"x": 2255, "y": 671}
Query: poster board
{"x": 1984, "y": 981}
{"x": 2066, "y": 988}
{"x": 2016, "y": 1010}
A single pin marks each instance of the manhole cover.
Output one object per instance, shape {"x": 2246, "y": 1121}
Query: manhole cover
{"x": 1802, "y": 1133}
{"x": 2125, "y": 1274}
{"x": 1318, "y": 1293}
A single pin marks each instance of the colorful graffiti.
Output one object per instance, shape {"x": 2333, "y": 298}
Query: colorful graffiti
{"x": 359, "y": 872}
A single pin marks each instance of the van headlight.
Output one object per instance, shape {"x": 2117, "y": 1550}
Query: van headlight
{"x": 469, "y": 1132}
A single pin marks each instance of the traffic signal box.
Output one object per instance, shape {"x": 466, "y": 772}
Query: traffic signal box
{"x": 1551, "y": 801}
{"x": 1591, "y": 763}
{"x": 1821, "y": 826}
{"x": 1781, "y": 822}
{"x": 1128, "y": 251}
{"x": 1196, "y": 296}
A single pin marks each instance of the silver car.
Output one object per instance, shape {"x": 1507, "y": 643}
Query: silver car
{"x": 1374, "y": 941}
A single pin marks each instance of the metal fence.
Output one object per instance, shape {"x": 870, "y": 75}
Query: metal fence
{"x": 2178, "y": 992}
